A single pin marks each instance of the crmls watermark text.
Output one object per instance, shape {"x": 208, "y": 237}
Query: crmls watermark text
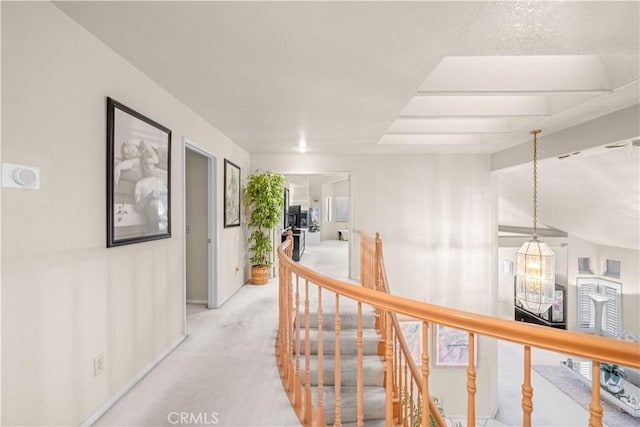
{"x": 193, "y": 418}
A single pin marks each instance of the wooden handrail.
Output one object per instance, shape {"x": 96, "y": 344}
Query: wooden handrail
{"x": 375, "y": 293}
{"x": 561, "y": 341}
{"x": 416, "y": 375}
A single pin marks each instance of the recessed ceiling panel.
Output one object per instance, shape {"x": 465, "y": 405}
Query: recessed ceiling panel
{"x": 477, "y": 106}
{"x": 464, "y": 139}
{"x": 455, "y": 125}
{"x": 518, "y": 73}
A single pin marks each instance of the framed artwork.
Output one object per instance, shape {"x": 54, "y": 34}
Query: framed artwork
{"x": 138, "y": 177}
{"x": 451, "y": 346}
{"x": 231, "y": 194}
{"x": 412, "y": 331}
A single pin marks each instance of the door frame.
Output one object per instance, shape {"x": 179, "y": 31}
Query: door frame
{"x": 353, "y": 244}
{"x": 212, "y": 252}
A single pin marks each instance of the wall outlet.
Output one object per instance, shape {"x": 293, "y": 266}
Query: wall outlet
{"x": 98, "y": 364}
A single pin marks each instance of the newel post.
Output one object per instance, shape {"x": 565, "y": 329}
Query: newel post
{"x": 290, "y": 246}
{"x": 378, "y": 259}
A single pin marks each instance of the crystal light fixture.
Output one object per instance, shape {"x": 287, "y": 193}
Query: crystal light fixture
{"x": 536, "y": 267}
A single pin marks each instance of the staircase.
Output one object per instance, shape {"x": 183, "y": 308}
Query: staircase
{"x": 372, "y": 364}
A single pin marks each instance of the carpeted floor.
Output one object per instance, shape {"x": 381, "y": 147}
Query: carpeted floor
{"x": 566, "y": 381}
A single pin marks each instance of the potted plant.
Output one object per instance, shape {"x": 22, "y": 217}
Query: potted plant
{"x": 263, "y": 199}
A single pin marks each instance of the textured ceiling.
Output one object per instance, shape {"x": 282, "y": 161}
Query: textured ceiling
{"x": 338, "y": 74}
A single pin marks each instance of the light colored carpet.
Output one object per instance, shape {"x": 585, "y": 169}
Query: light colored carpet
{"x": 226, "y": 366}
{"x": 581, "y": 393}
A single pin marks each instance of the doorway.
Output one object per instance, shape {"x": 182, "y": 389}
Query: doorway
{"x": 326, "y": 205}
{"x": 199, "y": 219}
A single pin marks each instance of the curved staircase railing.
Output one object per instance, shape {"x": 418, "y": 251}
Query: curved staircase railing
{"x": 405, "y": 385}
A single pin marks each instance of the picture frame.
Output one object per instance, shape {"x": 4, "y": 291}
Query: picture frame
{"x": 451, "y": 347}
{"x": 232, "y": 179}
{"x": 138, "y": 177}
{"x": 412, "y": 331}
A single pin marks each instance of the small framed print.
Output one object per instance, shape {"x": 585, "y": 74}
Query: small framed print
{"x": 412, "y": 332}
{"x": 138, "y": 177}
{"x": 451, "y": 346}
{"x": 231, "y": 194}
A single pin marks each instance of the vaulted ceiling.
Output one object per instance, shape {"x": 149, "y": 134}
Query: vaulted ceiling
{"x": 407, "y": 77}
{"x": 376, "y": 77}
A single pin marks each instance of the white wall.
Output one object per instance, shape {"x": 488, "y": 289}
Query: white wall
{"x": 437, "y": 215}
{"x": 329, "y": 230}
{"x": 66, "y": 298}
{"x": 629, "y": 277}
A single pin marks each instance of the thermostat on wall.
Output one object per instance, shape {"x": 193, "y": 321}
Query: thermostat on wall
{"x": 20, "y": 176}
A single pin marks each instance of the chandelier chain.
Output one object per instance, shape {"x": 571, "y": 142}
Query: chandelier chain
{"x": 535, "y": 182}
{"x": 535, "y": 185}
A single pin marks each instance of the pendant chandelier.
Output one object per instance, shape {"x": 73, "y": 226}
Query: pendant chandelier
{"x": 536, "y": 267}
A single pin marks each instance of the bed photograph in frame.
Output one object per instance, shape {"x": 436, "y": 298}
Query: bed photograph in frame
{"x": 231, "y": 194}
{"x": 138, "y": 177}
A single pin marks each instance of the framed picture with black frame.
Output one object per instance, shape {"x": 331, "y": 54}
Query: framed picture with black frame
{"x": 138, "y": 177}
{"x": 231, "y": 194}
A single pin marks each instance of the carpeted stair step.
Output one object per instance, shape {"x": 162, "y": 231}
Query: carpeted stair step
{"x": 348, "y": 319}
{"x": 348, "y": 343}
{"x": 367, "y": 423}
{"x": 372, "y": 370}
{"x": 374, "y": 404}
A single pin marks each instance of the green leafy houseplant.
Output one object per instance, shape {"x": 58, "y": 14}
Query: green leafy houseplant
{"x": 263, "y": 199}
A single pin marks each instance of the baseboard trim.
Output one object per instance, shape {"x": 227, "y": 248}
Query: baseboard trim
{"x": 232, "y": 294}
{"x": 135, "y": 380}
{"x": 197, "y": 301}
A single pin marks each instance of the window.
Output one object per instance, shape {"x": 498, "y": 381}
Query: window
{"x": 613, "y": 269}
{"x": 327, "y": 209}
{"x": 584, "y": 266}
{"x": 612, "y": 313}
{"x": 586, "y": 312}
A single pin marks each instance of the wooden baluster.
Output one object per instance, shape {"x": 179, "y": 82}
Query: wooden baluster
{"x": 297, "y": 383}
{"x": 362, "y": 260}
{"x": 307, "y": 357}
{"x": 337, "y": 381}
{"x": 394, "y": 374}
{"x": 290, "y": 324}
{"x": 595, "y": 407}
{"x": 320, "y": 415}
{"x": 471, "y": 384}
{"x": 359, "y": 380}
{"x": 412, "y": 401}
{"x": 425, "y": 375}
{"x": 389, "y": 371}
{"x": 405, "y": 389}
{"x": 394, "y": 365}
{"x": 527, "y": 390}
{"x": 288, "y": 296}
{"x": 378, "y": 257}
{"x": 372, "y": 273}
{"x": 419, "y": 413}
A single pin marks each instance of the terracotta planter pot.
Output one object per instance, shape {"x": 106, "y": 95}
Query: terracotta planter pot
{"x": 259, "y": 275}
